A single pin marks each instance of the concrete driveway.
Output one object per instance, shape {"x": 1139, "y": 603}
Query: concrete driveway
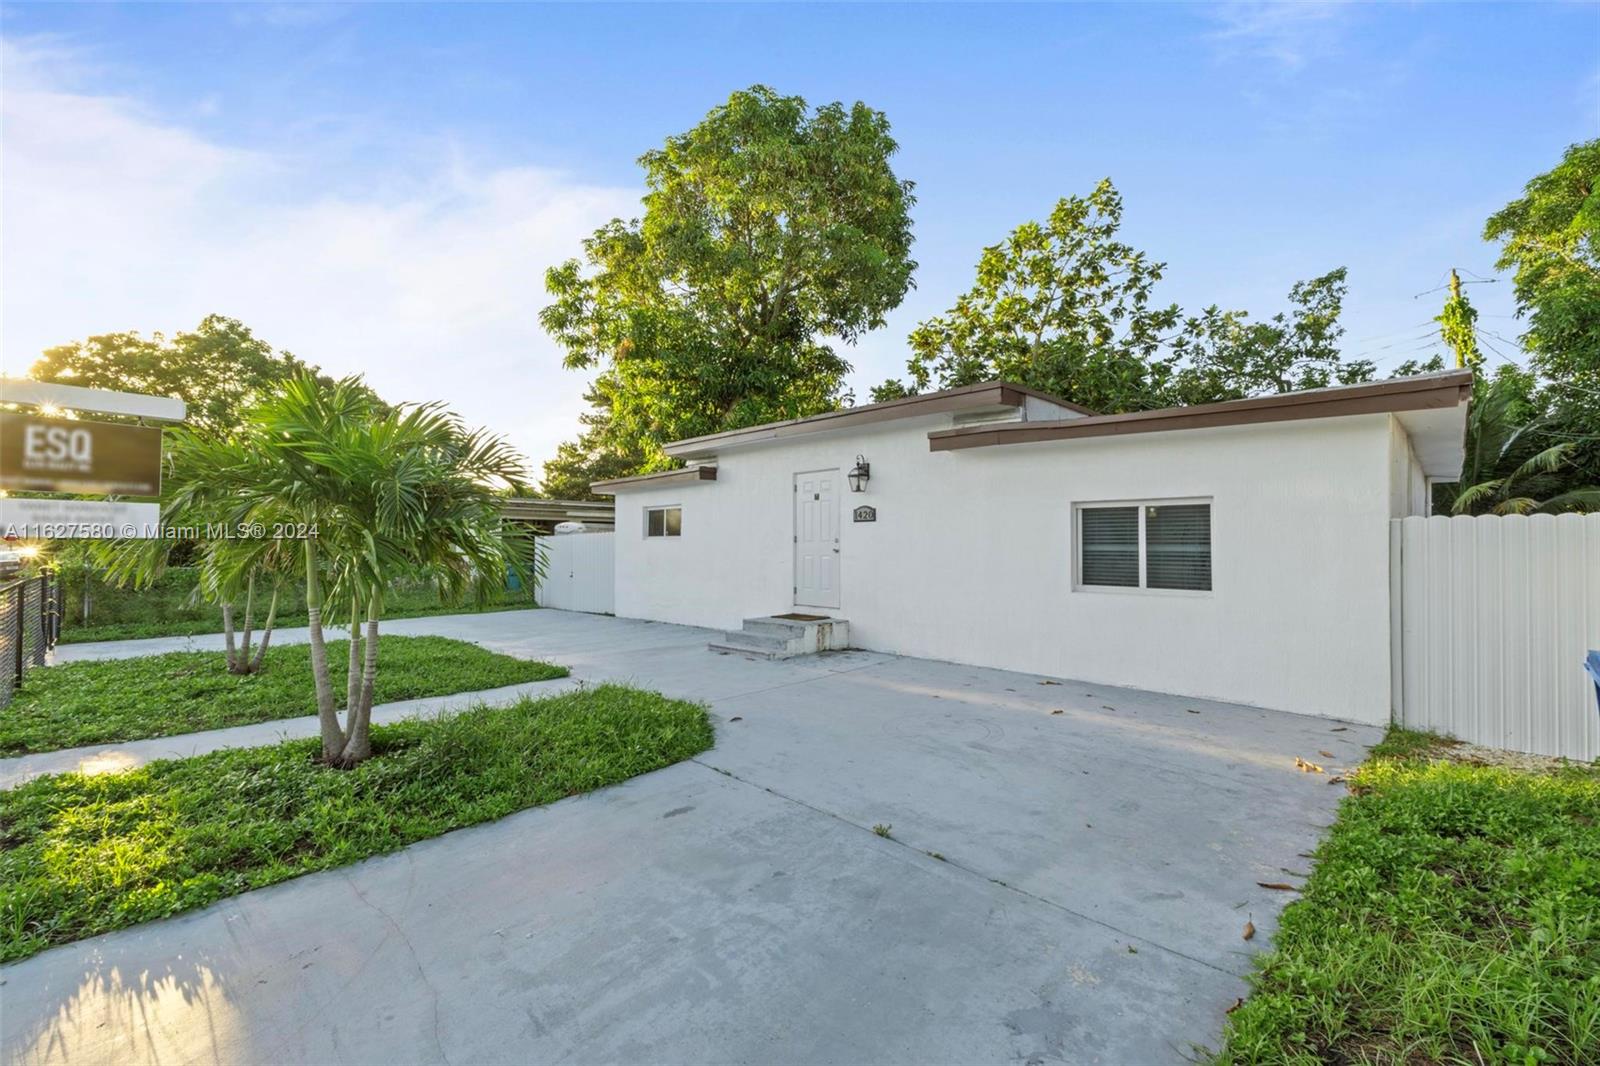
{"x": 1068, "y": 872}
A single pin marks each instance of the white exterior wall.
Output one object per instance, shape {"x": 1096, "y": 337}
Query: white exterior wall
{"x": 1408, "y": 485}
{"x": 971, "y": 557}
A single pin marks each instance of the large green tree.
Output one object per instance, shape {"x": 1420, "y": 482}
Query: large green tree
{"x": 218, "y": 369}
{"x": 1550, "y": 239}
{"x": 1066, "y": 306}
{"x": 769, "y": 229}
{"x": 1223, "y": 355}
{"x": 1060, "y": 305}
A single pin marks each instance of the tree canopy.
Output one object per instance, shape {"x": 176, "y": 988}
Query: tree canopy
{"x": 1062, "y": 306}
{"x": 218, "y": 370}
{"x": 767, "y": 229}
{"x": 1065, "y": 306}
{"x": 1550, "y": 239}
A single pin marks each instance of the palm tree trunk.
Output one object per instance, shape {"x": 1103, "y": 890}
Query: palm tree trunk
{"x": 227, "y": 638}
{"x": 249, "y": 606}
{"x": 266, "y": 630}
{"x": 359, "y": 746}
{"x": 352, "y": 677}
{"x": 327, "y": 717}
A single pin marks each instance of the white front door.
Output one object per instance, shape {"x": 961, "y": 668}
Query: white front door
{"x": 816, "y": 539}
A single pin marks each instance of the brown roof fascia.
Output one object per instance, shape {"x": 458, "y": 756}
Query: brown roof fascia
{"x": 1425, "y": 392}
{"x": 689, "y": 474}
{"x": 983, "y": 394}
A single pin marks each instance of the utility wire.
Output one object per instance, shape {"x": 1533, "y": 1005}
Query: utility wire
{"x": 1504, "y": 340}
{"x": 1403, "y": 329}
{"x": 1395, "y": 344}
{"x": 1438, "y": 288}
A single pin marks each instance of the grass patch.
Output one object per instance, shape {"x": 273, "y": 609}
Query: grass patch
{"x": 1453, "y": 916}
{"x": 212, "y": 623}
{"x": 115, "y": 700}
{"x": 85, "y": 855}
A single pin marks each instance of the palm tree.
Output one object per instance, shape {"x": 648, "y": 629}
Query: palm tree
{"x": 1511, "y": 464}
{"x": 390, "y": 493}
{"x": 202, "y": 470}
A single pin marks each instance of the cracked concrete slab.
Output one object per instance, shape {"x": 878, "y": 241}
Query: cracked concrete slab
{"x": 1055, "y": 887}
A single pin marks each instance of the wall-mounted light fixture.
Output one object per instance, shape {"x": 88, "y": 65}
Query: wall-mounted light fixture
{"x": 859, "y": 475}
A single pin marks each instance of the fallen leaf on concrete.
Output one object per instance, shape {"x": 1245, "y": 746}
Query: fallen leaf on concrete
{"x": 1049, "y": 682}
{"x": 1326, "y": 754}
{"x": 1107, "y": 707}
{"x": 1191, "y": 710}
{"x": 1236, "y": 1005}
{"x": 1058, "y": 710}
{"x": 1335, "y": 779}
{"x": 736, "y": 718}
{"x": 1307, "y": 767}
{"x": 1338, "y": 729}
{"x": 1281, "y": 886}
{"x": 1249, "y": 930}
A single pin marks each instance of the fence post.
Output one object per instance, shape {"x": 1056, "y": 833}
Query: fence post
{"x": 19, "y": 590}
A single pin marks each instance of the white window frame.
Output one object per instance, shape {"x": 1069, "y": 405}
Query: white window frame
{"x": 663, "y": 507}
{"x": 1079, "y": 506}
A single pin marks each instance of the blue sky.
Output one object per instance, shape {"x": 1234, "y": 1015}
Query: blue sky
{"x": 379, "y": 188}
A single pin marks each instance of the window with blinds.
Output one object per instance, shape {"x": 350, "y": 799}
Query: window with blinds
{"x": 1110, "y": 545}
{"x": 1152, "y": 544}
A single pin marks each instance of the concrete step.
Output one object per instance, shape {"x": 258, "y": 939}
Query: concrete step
{"x": 777, "y": 627}
{"x": 764, "y": 641}
{"x": 748, "y": 652}
{"x": 782, "y": 638}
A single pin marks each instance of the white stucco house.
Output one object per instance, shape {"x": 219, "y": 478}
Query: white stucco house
{"x": 1235, "y": 551}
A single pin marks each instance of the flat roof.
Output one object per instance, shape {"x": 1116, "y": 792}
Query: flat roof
{"x": 985, "y": 394}
{"x": 704, "y": 472}
{"x": 1441, "y": 391}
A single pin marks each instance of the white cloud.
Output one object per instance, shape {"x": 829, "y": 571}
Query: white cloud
{"x": 430, "y": 283}
{"x": 1285, "y": 33}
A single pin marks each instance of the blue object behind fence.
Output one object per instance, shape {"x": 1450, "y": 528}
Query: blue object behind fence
{"x": 1592, "y": 665}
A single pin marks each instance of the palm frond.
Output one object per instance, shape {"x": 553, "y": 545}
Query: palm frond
{"x": 1475, "y": 495}
{"x": 1582, "y": 500}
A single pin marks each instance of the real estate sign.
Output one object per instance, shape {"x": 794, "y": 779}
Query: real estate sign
{"x": 39, "y": 454}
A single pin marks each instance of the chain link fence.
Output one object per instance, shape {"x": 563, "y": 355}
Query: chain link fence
{"x": 30, "y": 621}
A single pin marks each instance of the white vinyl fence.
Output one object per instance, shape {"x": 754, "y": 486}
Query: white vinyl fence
{"x": 580, "y": 572}
{"x": 1492, "y": 618}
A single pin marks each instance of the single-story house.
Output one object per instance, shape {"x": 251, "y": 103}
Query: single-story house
{"x": 1236, "y": 551}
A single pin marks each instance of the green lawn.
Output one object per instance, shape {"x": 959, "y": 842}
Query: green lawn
{"x": 1453, "y": 916}
{"x": 83, "y": 855}
{"x": 116, "y": 700}
{"x": 212, "y": 622}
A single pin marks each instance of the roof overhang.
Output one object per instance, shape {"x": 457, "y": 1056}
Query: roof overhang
{"x": 985, "y": 396}
{"x": 530, "y": 509}
{"x": 1432, "y": 407}
{"x": 688, "y": 475}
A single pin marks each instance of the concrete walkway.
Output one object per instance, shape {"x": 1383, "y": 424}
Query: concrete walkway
{"x": 107, "y": 758}
{"x": 1068, "y": 872}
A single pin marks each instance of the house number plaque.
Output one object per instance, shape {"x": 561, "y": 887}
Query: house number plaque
{"x": 866, "y": 514}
